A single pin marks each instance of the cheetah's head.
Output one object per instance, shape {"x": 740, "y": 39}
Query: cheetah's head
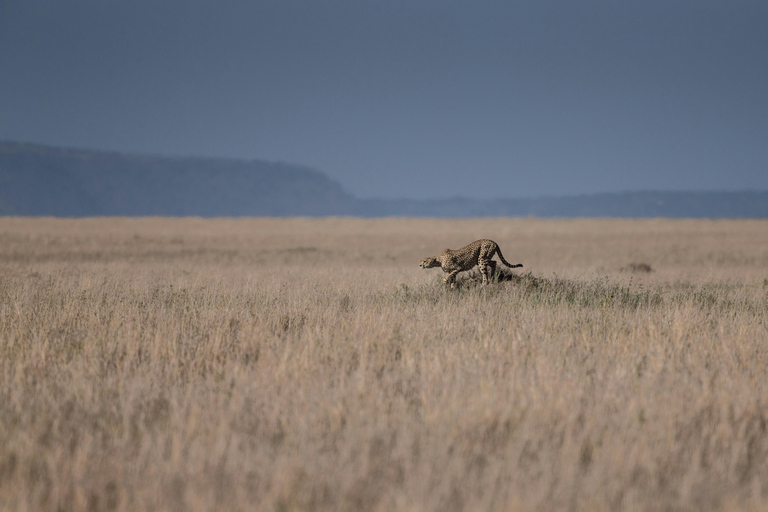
{"x": 429, "y": 263}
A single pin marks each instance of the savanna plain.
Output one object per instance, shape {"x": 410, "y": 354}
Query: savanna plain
{"x": 310, "y": 364}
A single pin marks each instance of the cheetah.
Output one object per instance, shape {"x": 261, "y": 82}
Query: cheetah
{"x": 477, "y": 253}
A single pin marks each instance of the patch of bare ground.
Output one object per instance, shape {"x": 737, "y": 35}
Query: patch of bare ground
{"x": 299, "y": 364}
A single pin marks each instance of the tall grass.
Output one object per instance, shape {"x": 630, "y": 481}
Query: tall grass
{"x": 160, "y": 364}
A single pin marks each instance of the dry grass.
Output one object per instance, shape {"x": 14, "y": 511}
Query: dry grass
{"x": 266, "y": 364}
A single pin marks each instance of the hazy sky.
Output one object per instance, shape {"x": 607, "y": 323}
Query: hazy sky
{"x": 406, "y": 98}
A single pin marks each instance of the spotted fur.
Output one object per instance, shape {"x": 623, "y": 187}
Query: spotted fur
{"x": 479, "y": 253}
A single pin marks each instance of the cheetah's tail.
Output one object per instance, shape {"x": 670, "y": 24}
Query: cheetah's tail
{"x": 501, "y": 257}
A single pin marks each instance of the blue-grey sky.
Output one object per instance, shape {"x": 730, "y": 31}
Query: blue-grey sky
{"x": 406, "y": 98}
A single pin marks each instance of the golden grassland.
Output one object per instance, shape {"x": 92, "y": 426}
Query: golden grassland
{"x": 309, "y": 364}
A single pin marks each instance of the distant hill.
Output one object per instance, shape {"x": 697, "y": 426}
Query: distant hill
{"x": 716, "y": 205}
{"x": 40, "y": 180}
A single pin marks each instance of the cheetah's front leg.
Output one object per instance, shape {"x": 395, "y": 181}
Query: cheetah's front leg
{"x": 451, "y": 278}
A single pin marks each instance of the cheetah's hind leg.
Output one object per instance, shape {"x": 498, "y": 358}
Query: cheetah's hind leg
{"x": 485, "y": 269}
{"x": 492, "y": 272}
